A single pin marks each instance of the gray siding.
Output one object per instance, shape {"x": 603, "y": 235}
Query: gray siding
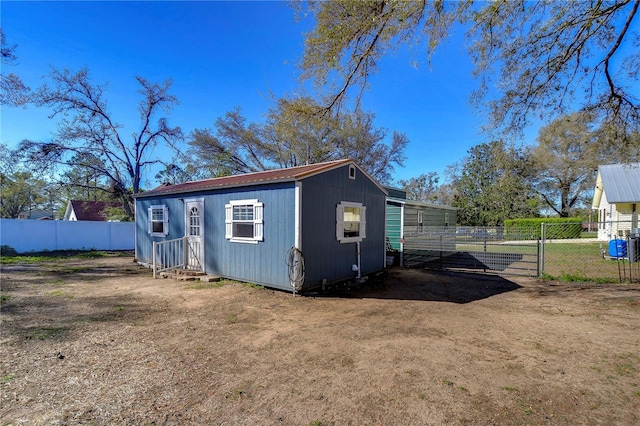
{"x": 431, "y": 216}
{"x": 143, "y": 239}
{"x": 325, "y": 257}
{"x": 263, "y": 263}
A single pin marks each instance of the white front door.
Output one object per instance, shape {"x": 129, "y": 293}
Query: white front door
{"x": 194, "y": 231}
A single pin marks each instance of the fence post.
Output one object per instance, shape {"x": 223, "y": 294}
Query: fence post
{"x": 543, "y": 236}
{"x": 484, "y": 236}
{"x": 539, "y": 266}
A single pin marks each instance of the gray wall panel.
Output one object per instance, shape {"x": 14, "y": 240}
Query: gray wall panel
{"x": 325, "y": 257}
{"x": 143, "y": 239}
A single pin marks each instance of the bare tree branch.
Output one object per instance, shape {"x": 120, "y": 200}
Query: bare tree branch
{"x": 89, "y": 129}
{"x": 533, "y": 58}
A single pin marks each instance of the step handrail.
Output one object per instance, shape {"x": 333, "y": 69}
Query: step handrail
{"x": 174, "y": 254}
{"x": 168, "y": 254}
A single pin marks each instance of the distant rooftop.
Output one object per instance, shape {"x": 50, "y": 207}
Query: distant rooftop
{"x": 91, "y": 210}
{"x": 621, "y": 182}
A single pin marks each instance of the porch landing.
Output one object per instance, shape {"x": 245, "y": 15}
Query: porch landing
{"x": 189, "y": 275}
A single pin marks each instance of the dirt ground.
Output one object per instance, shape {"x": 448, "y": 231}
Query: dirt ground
{"x": 99, "y": 342}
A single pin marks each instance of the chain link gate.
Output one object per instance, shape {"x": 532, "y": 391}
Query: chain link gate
{"x": 474, "y": 249}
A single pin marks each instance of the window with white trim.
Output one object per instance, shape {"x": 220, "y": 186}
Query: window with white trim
{"x": 158, "y": 221}
{"x": 244, "y": 221}
{"x": 351, "y": 223}
{"x": 194, "y": 222}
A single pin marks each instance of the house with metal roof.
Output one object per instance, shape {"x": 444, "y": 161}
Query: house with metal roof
{"x": 292, "y": 229}
{"x": 616, "y": 197}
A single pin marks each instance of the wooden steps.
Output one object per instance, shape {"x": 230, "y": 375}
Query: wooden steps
{"x": 189, "y": 275}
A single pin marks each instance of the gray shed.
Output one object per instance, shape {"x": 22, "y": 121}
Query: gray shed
{"x": 299, "y": 227}
{"x": 413, "y": 219}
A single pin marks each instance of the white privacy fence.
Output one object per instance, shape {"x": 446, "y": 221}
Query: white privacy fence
{"x": 38, "y": 235}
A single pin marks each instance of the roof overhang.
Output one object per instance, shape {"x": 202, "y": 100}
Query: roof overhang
{"x": 179, "y": 191}
{"x": 396, "y": 200}
{"x": 254, "y": 179}
{"x": 429, "y": 205}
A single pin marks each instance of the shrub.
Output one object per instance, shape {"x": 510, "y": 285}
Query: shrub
{"x": 8, "y": 251}
{"x": 555, "y": 227}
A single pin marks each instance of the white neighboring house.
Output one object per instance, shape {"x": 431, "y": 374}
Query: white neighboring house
{"x": 617, "y": 199}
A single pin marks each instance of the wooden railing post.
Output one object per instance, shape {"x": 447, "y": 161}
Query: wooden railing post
{"x": 154, "y": 259}
{"x": 185, "y": 251}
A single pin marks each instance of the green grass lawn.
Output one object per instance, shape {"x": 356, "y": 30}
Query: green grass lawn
{"x": 53, "y": 256}
{"x": 584, "y": 262}
{"x": 568, "y": 261}
{"x": 499, "y": 247}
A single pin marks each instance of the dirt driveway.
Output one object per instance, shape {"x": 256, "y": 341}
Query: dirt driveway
{"x": 99, "y": 342}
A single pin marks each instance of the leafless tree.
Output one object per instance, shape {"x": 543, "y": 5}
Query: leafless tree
{"x": 88, "y": 130}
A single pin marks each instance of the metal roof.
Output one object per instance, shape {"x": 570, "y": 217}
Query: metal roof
{"x": 621, "y": 182}
{"x": 420, "y": 203}
{"x": 257, "y": 178}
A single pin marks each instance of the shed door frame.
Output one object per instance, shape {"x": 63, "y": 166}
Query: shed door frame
{"x": 194, "y": 229}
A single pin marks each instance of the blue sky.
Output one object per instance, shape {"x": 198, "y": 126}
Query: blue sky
{"x": 226, "y": 54}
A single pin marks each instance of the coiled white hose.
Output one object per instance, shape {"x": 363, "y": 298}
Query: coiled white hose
{"x": 295, "y": 264}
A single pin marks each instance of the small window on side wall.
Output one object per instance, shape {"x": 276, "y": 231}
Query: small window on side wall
{"x": 352, "y": 171}
{"x": 158, "y": 221}
{"x": 244, "y": 221}
{"x": 351, "y": 223}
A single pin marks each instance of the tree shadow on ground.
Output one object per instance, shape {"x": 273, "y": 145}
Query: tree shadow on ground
{"x": 38, "y": 303}
{"x": 64, "y": 271}
{"x": 58, "y": 315}
{"x": 419, "y": 284}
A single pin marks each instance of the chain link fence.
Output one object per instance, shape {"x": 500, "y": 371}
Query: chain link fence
{"x": 601, "y": 252}
{"x": 563, "y": 251}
